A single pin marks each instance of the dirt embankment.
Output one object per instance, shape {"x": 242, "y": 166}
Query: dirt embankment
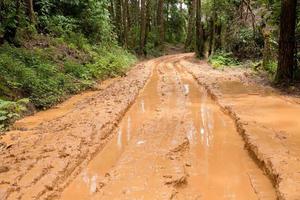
{"x": 46, "y": 151}
{"x": 268, "y": 121}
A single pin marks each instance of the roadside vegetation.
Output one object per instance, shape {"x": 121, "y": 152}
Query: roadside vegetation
{"x": 49, "y": 53}
{"x": 50, "y": 49}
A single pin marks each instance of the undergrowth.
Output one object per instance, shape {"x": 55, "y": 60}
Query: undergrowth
{"x": 47, "y": 74}
{"x": 223, "y": 59}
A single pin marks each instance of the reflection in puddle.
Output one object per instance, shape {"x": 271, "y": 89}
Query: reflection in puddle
{"x": 128, "y": 128}
{"x": 143, "y": 105}
{"x": 90, "y": 182}
{"x": 186, "y": 89}
{"x": 202, "y": 131}
{"x": 191, "y": 134}
{"x": 141, "y": 142}
{"x": 120, "y": 138}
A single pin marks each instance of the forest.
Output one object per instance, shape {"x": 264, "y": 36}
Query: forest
{"x": 51, "y": 49}
{"x": 149, "y": 99}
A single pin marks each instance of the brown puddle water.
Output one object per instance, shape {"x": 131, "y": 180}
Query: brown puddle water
{"x": 173, "y": 143}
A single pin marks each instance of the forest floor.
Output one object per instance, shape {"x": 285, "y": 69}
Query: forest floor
{"x": 172, "y": 128}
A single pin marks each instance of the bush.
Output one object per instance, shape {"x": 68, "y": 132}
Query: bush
{"x": 244, "y": 44}
{"x": 271, "y": 67}
{"x": 11, "y": 111}
{"x": 222, "y": 59}
{"x": 45, "y": 80}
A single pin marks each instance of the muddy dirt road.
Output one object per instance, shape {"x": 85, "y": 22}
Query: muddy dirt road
{"x": 174, "y": 142}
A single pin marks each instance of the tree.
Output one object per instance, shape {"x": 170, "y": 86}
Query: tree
{"x": 160, "y": 23}
{"x": 285, "y": 70}
{"x": 212, "y": 29}
{"x": 119, "y": 19}
{"x": 125, "y": 22}
{"x": 199, "y": 31}
{"x": 143, "y": 28}
{"x": 30, "y": 11}
{"x": 191, "y": 24}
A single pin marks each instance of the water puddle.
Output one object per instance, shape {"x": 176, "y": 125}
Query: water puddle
{"x": 84, "y": 186}
{"x": 172, "y": 107}
{"x": 220, "y": 167}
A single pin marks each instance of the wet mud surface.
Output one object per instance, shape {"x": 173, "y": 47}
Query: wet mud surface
{"x": 154, "y": 134}
{"x": 40, "y": 157}
{"x": 267, "y": 120}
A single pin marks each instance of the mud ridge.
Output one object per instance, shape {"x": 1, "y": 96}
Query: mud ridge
{"x": 250, "y": 145}
{"x": 72, "y": 166}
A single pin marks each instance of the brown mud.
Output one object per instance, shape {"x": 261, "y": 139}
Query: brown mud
{"x": 267, "y": 120}
{"x": 154, "y": 134}
{"x": 173, "y": 143}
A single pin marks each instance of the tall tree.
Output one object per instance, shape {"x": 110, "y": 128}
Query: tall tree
{"x": 199, "y": 31}
{"x": 143, "y": 28}
{"x": 119, "y": 19}
{"x": 30, "y": 11}
{"x": 212, "y": 29}
{"x": 125, "y": 22}
{"x": 160, "y": 22}
{"x": 191, "y": 24}
{"x": 285, "y": 70}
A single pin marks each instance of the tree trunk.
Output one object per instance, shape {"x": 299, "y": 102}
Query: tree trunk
{"x": 218, "y": 36}
{"x": 125, "y": 22}
{"x": 111, "y": 10}
{"x": 119, "y": 28}
{"x": 143, "y": 27}
{"x": 191, "y": 25}
{"x": 148, "y": 20}
{"x": 199, "y": 31}
{"x": 30, "y": 11}
{"x": 160, "y": 23}
{"x": 285, "y": 70}
{"x": 212, "y": 30}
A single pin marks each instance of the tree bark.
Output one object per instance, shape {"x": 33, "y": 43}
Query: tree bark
{"x": 148, "y": 20}
{"x": 125, "y": 22}
{"x": 191, "y": 25}
{"x": 286, "y": 69}
{"x": 119, "y": 28}
{"x": 30, "y": 11}
{"x": 199, "y": 31}
{"x": 143, "y": 27}
{"x": 160, "y": 23}
{"x": 212, "y": 30}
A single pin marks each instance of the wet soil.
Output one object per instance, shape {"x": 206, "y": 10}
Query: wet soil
{"x": 267, "y": 120}
{"x": 173, "y": 143}
{"x": 154, "y": 134}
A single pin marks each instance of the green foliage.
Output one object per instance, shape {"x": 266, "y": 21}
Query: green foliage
{"x": 271, "y": 67}
{"x": 109, "y": 62}
{"x": 11, "y": 111}
{"x": 63, "y": 18}
{"x": 45, "y": 82}
{"x": 245, "y": 44}
{"x": 223, "y": 59}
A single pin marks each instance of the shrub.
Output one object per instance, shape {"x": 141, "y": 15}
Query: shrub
{"x": 11, "y": 111}
{"x": 222, "y": 59}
